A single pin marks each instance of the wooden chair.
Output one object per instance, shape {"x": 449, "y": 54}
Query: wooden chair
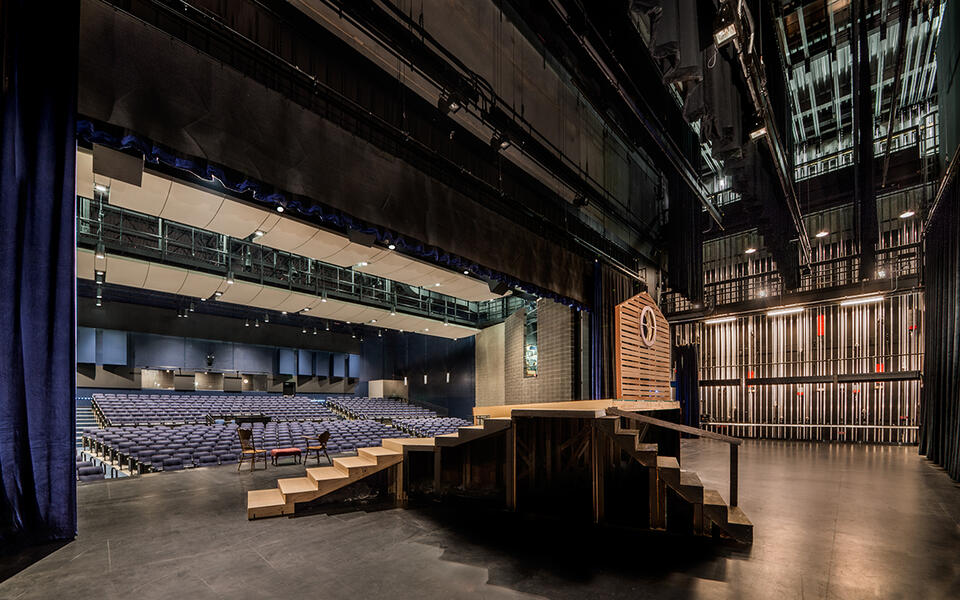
{"x": 317, "y": 444}
{"x": 248, "y": 448}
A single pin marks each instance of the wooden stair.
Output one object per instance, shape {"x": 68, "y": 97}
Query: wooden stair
{"x": 320, "y": 481}
{"x": 730, "y": 520}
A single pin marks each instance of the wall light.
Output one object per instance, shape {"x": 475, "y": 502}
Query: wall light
{"x": 727, "y": 319}
{"x": 861, "y": 300}
{"x": 790, "y": 310}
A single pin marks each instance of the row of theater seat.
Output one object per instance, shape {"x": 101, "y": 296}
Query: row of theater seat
{"x": 155, "y": 409}
{"x": 430, "y": 426}
{"x": 378, "y": 408}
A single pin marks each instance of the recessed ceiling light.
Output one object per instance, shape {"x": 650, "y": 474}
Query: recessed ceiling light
{"x": 279, "y": 208}
{"x": 306, "y": 309}
{"x": 283, "y": 312}
{"x": 373, "y": 320}
{"x": 436, "y": 285}
{"x": 750, "y": 250}
{"x": 218, "y": 293}
{"x": 392, "y": 246}
{"x": 258, "y": 233}
{"x": 907, "y": 214}
{"x": 100, "y": 187}
{"x": 466, "y": 272}
{"x": 823, "y": 233}
{"x": 426, "y": 329}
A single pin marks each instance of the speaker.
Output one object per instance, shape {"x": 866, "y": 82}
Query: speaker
{"x": 290, "y": 388}
{"x": 117, "y": 165}
{"x": 497, "y": 287}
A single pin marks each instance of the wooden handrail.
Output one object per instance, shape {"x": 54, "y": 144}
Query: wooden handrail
{"x": 734, "y": 442}
{"x": 616, "y": 412}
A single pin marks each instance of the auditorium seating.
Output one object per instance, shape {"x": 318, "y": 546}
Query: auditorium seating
{"x": 430, "y": 426}
{"x": 378, "y": 408}
{"x": 165, "y": 448}
{"x": 87, "y": 470}
{"x": 173, "y": 409}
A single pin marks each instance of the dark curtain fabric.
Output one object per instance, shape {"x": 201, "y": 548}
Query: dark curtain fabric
{"x": 615, "y": 287}
{"x": 596, "y": 337}
{"x": 688, "y": 383}
{"x": 684, "y": 242}
{"x": 940, "y": 397}
{"x": 37, "y": 378}
{"x": 864, "y": 200}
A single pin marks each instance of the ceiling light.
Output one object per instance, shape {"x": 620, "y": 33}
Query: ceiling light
{"x": 193, "y": 307}
{"x": 392, "y": 246}
{"x": 203, "y": 299}
{"x": 100, "y": 187}
{"x": 328, "y": 326}
{"x": 861, "y": 300}
{"x": 218, "y": 293}
{"x": 362, "y": 263}
{"x": 306, "y": 309}
{"x": 304, "y": 330}
{"x": 101, "y": 252}
{"x": 762, "y": 293}
{"x": 790, "y": 310}
{"x": 314, "y": 331}
{"x": 823, "y": 233}
{"x": 393, "y": 313}
{"x": 99, "y": 302}
{"x": 353, "y": 335}
{"x": 280, "y": 208}
{"x": 257, "y": 233}
{"x": 436, "y": 285}
{"x": 719, "y": 320}
{"x": 373, "y": 320}
{"x": 750, "y": 250}
{"x": 283, "y": 312}
{"x": 426, "y": 329}
{"x": 99, "y": 292}
{"x": 379, "y": 333}
{"x": 907, "y": 214}
{"x": 246, "y": 322}
{"x": 466, "y": 272}
{"x": 229, "y": 277}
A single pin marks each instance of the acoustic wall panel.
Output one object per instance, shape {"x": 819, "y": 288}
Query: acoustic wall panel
{"x": 339, "y": 365}
{"x": 304, "y": 362}
{"x": 353, "y": 365}
{"x": 86, "y": 345}
{"x": 253, "y": 359}
{"x": 286, "y": 361}
{"x": 321, "y": 363}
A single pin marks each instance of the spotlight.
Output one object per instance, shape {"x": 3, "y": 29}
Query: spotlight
{"x": 246, "y": 322}
{"x": 314, "y": 331}
{"x": 279, "y": 208}
{"x": 823, "y": 233}
{"x": 907, "y": 214}
{"x": 283, "y": 312}
{"x": 229, "y": 277}
{"x": 392, "y": 246}
{"x": 99, "y": 302}
{"x": 101, "y": 252}
{"x": 762, "y": 294}
{"x": 373, "y": 320}
{"x": 218, "y": 293}
{"x": 426, "y": 329}
{"x": 99, "y": 291}
{"x": 256, "y": 323}
{"x": 362, "y": 263}
{"x": 306, "y": 309}
{"x": 379, "y": 333}
{"x": 98, "y": 277}
{"x": 304, "y": 330}
{"x": 466, "y": 272}
{"x": 328, "y": 326}
{"x": 580, "y": 200}
{"x": 448, "y": 103}
{"x": 750, "y": 250}
{"x": 881, "y": 273}
{"x": 193, "y": 307}
{"x": 100, "y": 187}
{"x": 436, "y": 285}
{"x": 266, "y": 318}
{"x": 719, "y": 320}
{"x": 393, "y": 313}
{"x": 324, "y": 297}
{"x": 203, "y": 299}
{"x": 353, "y": 335}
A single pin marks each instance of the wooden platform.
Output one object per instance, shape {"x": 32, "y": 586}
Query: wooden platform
{"x": 576, "y": 408}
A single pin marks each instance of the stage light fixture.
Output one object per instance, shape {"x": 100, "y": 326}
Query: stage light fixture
{"x": 823, "y": 233}
{"x": 861, "y": 300}
{"x": 373, "y": 320}
{"x": 328, "y": 326}
{"x": 101, "y": 253}
{"x": 720, "y": 320}
{"x": 229, "y": 277}
{"x": 790, "y": 310}
{"x": 353, "y": 335}
{"x": 725, "y": 27}
{"x": 306, "y": 309}
{"x": 314, "y": 331}
{"x": 907, "y": 214}
{"x": 283, "y": 312}
{"x": 750, "y": 250}
{"x": 379, "y": 333}
{"x": 203, "y": 299}
{"x": 256, "y": 323}
{"x": 499, "y": 141}
{"x": 99, "y": 302}
{"x": 246, "y": 322}
{"x": 758, "y": 133}
{"x": 193, "y": 307}
{"x": 266, "y": 318}
{"x": 304, "y": 330}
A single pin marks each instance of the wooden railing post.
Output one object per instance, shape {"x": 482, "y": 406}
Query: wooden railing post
{"x": 734, "y": 473}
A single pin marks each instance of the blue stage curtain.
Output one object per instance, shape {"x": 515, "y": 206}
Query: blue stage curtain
{"x": 37, "y": 282}
{"x": 688, "y": 383}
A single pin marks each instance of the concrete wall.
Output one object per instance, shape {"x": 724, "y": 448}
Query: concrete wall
{"x": 490, "y": 363}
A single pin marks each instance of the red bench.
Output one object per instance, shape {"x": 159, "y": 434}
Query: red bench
{"x": 281, "y": 452}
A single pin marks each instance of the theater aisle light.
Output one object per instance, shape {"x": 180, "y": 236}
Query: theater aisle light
{"x": 788, "y": 310}
{"x": 726, "y": 319}
{"x": 907, "y": 214}
{"x": 861, "y": 300}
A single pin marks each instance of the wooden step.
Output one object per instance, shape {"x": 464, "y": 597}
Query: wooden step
{"x": 669, "y": 470}
{"x": 714, "y": 508}
{"x": 738, "y": 525}
{"x": 356, "y": 466}
{"x": 298, "y": 489}
{"x": 691, "y": 489}
{"x": 385, "y": 457}
{"x": 401, "y": 444}
{"x": 267, "y": 503}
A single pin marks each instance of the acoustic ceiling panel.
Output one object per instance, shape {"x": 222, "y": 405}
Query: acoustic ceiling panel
{"x": 322, "y": 245}
{"x": 148, "y": 198}
{"x": 287, "y": 234}
{"x": 85, "y": 264}
{"x": 239, "y": 220}
{"x": 270, "y": 297}
{"x": 295, "y": 302}
{"x": 165, "y": 279}
{"x": 126, "y": 271}
{"x": 200, "y": 285}
{"x": 85, "y": 174}
{"x": 191, "y": 206}
{"x": 240, "y": 292}
{"x": 353, "y": 254}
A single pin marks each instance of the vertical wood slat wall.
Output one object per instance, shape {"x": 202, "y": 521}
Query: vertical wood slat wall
{"x": 642, "y": 372}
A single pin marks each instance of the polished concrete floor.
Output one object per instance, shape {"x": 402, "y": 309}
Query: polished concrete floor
{"x": 832, "y": 521}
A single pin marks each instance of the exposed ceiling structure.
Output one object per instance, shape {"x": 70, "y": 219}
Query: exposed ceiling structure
{"x": 815, "y": 39}
{"x": 130, "y": 272}
{"x": 202, "y": 208}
